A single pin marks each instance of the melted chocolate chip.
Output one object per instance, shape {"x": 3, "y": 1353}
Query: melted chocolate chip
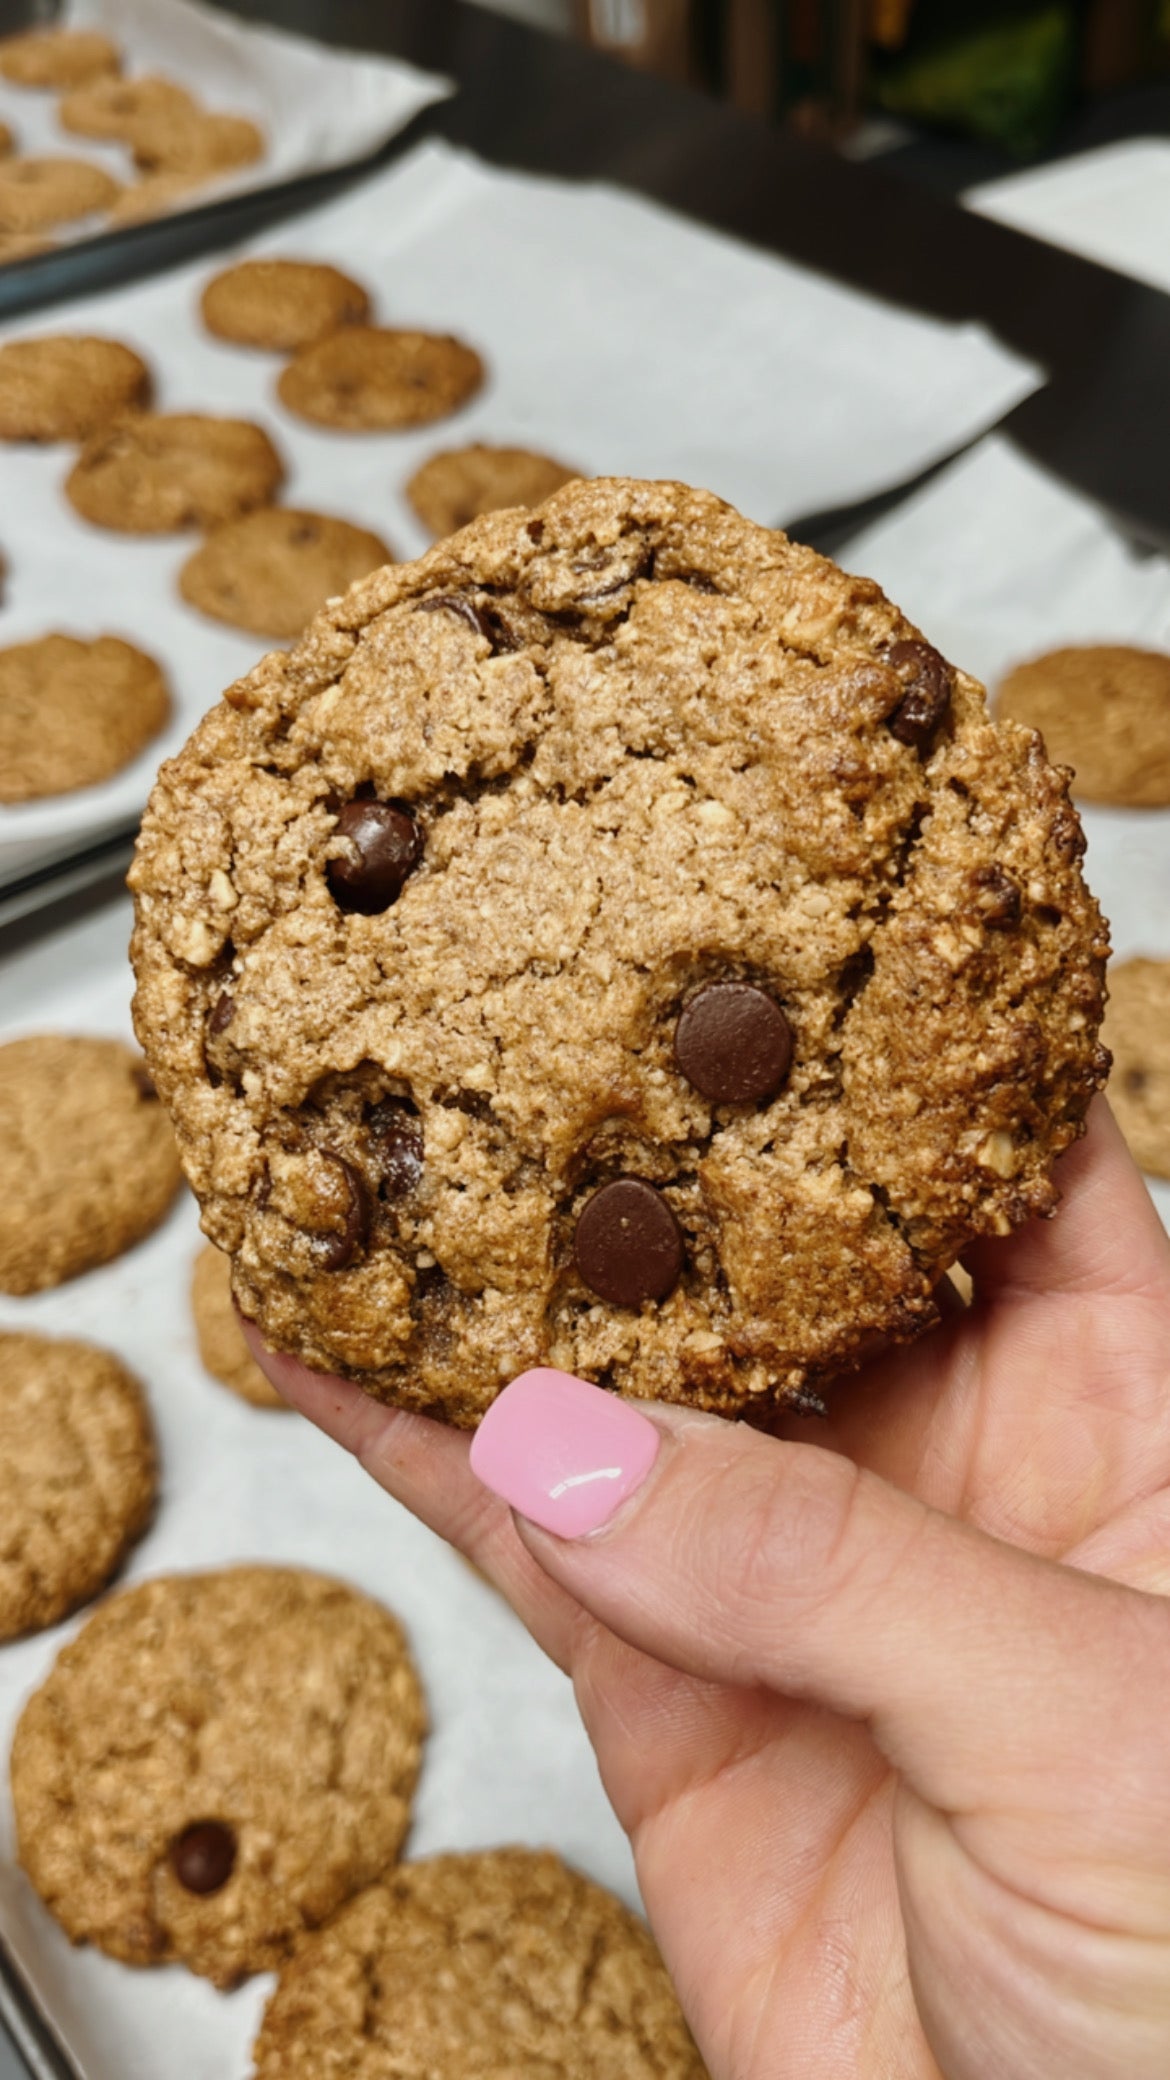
{"x": 221, "y": 1014}
{"x": 480, "y": 615}
{"x": 389, "y": 846}
{"x": 398, "y": 1141}
{"x": 143, "y": 1082}
{"x": 733, "y": 1043}
{"x": 203, "y": 1857}
{"x": 927, "y": 679}
{"x": 1068, "y": 839}
{"x": 997, "y": 898}
{"x": 337, "y": 1250}
{"x": 628, "y": 1246}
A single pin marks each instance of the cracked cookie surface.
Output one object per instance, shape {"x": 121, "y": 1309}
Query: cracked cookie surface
{"x": 214, "y": 1764}
{"x": 422, "y": 905}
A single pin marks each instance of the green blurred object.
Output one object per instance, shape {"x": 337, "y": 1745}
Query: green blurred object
{"x": 1009, "y": 83}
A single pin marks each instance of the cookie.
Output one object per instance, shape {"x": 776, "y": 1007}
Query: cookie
{"x": 454, "y": 488}
{"x": 281, "y": 304}
{"x": 367, "y": 380}
{"x": 35, "y": 193}
{"x": 87, "y": 1159}
{"x": 215, "y": 1763}
{"x": 7, "y": 142}
{"x": 77, "y": 1476}
{"x": 160, "y": 473}
{"x": 195, "y": 142}
{"x": 1137, "y": 1030}
{"x": 73, "y": 713}
{"x": 1104, "y": 710}
{"x": 504, "y": 1962}
{"x": 156, "y": 196}
{"x": 21, "y": 245}
{"x": 221, "y": 1343}
{"x": 65, "y": 387}
{"x": 526, "y": 958}
{"x": 59, "y": 58}
{"x": 114, "y": 108}
{"x": 270, "y": 571}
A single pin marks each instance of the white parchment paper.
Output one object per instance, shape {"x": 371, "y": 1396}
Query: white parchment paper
{"x": 1111, "y": 205}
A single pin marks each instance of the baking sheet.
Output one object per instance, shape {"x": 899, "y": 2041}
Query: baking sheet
{"x": 318, "y": 107}
{"x": 1111, "y": 205}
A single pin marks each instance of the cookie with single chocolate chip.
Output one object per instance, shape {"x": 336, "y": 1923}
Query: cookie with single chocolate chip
{"x": 451, "y": 489}
{"x": 77, "y": 1476}
{"x": 617, "y": 940}
{"x": 1137, "y": 1031}
{"x": 158, "y": 473}
{"x": 1104, "y": 710}
{"x": 114, "y": 108}
{"x": 271, "y": 570}
{"x": 363, "y": 379}
{"x": 87, "y": 1158}
{"x": 221, "y": 1343}
{"x": 195, "y": 141}
{"x": 64, "y": 387}
{"x": 281, "y": 304}
{"x": 215, "y": 1764}
{"x": 500, "y": 1962}
{"x": 74, "y": 713}
{"x": 35, "y": 193}
{"x": 59, "y": 58}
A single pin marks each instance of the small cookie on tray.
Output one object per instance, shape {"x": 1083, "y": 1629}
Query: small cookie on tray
{"x": 113, "y": 107}
{"x": 1137, "y": 1029}
{"x": 156, "y": 195}
{"x": 196, "y": 142}
{"x": 65, "y": 386}
{"x": 57, "y": 58}
{"x": 281, "y": 305}
{"x": 270, "y": 571}
{"x": 77, "y": 1476}
{"x": 1104, "y": 710}
{"x": 215, "y": 1764}
{"x": 460, "y": 485}
{"x": 35, "y": 193}
{"x": 369, "y": 379}
{"x": 221, "y": 1344}
{"x": 73, "y": 713}
{"x": 160, "y": 473}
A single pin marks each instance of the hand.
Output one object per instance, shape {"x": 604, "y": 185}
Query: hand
{"x": 886, "y": 1714}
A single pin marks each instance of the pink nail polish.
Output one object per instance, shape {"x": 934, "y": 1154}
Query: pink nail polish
{"x": 562, "y": 1452}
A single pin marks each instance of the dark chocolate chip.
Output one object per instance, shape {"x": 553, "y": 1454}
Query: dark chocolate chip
{"x": 389, "y": 846}
{"x": 143, "y": 1081}
{"x": 203, "y": 1857}
{"x": 486, "y": 620}
{"x": 733, "y": 1043}
{"x": 221, "y": 1014}
{"x": 927, "y": 679}
{"x": 337, "y": 1250}
{"x": 398, "y": 1141}
{"x": 628, "y": 1245}
{"x": 1068, "y": 838}
{"x": 699, "y": 582}
{"x": 997, "y": 898}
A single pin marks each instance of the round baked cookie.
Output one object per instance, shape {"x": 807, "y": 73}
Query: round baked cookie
{"x": 1104, "y": 710}
{"x": 365, "y": 379}
{"x": 113, "y": 108}
{"x": 158, "y": 473}
{"x": 155, "y": 196}
{"x": 456, "y": 487}
{"x": 195, "y": 142}
{"x": 60, "y": 58}
{"x": 420, "y": 1973}
{"x": 281, "y": 304}
{"x": 618, "y": 941}
{"x": 221, "y": 1343}
{"x": 64, "y": 387}
{"x": 271, "y": 570}
{"x": 87, "y": 1158}
{"x": 21, "y": 245}
{"x": 215, "y": 1763}
{"x": 1137, "y": 1031}
{"x": 35, "y": 193}
{"x": 73, "y": 713}
{"x": 77, "y": 1476}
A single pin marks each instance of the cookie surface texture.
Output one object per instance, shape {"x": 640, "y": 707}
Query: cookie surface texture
{"x": 1105, "y": 711}
{"x": 161, "y": 473}
{"x": 114, "y": 107}
{"x": 74, "y": 713}
{"x": 64, "y": 388}
{"x": 477, "y": 1966}
{"x": 156, "y": 195}
{"x": 88, "y": 1164}
{"x": 77, "y": 1476}
{"x": 281, "y": 304}
{"x": 57, "y": 57}
{"x": 35, "y": 193}
{"x": 369, "y": 380}
{"x": 271, "y": 571}
{"x": 196, "y": 142}
{"x": 451, "y": 489}
{"x": 1137, "y": 1030}
{"x": 421, "y": 907}
{"x": 221, "y": 1344}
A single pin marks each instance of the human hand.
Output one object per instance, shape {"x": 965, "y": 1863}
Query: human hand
{"x": 886, "y": 1714}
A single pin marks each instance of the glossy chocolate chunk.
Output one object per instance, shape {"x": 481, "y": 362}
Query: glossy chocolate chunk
{"x": 398, "y": 1142}
{"x": 628, "y": 1245}
{"x": 339, "y": 1248}
{"x": 733, "y": 1043}
{"x": 927, "y": 679}
{"x": 203, "y": 1857}
{"x": 389, "y": 846}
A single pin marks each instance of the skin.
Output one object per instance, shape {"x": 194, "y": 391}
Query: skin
{"x": 884, "y": 1706}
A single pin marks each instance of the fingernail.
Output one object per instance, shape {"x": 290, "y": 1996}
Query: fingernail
{"x": 562, "y": 1452}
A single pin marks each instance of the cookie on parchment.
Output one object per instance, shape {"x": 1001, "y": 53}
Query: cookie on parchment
{"x": 113, "y": 107}
{"x": 368, "y": 379}
{"x": 87, "y": 1158}
{"x": 195, "y": 142}
{"x": 281, "y": 304}
{"x": 77, "y": 1476}
{"x": 60, "y": 58}
{"x": 456, "y": 487}
{"x": 499, "y": 1962}
{"x": 216, "y": 1763}
{"x": 1137, "y": 1030}
{"x": 35, "y": 193}
{"x": 65, "y": 386}
{"x": 73, "y": 713}
{"x": 1103, "y": 709}
{"x": 221, "y": 1344}
{"x": 158, "y": 473}
{"x": 156, "y": 195}
{"x": 22, "y": 245}
{"x": 271, "y": 570}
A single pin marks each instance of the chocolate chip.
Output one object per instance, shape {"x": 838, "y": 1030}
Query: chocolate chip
{"x": 143, "y": 1082}
{"x": 997, "y": 898}
{"x": 1068, "y": 838}
{"x": 337, "y": 1250}
{"x": 221, "y": 1014}
{"x": 628, "y": 1245}
{"x": 486, "y": 620}
{"x": 398, "y": 1141}
{"x": 927, "y": 679}
{"x": 733, "y": 1043}
{"x": 203, "y": 1857}
{"x": 699, "y": 582}
{"x": 389, "y": 845}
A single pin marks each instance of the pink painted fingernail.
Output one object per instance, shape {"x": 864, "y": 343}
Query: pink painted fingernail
{"x": 563, "y": 1453}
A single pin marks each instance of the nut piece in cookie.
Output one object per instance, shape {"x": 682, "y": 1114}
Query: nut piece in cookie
{"x": 63, "y": 388}
{"x": 77, "y": 1476}
{"x": 451, "y": 489}
{"x": 88, "y": 1164}
{"x": 59, "y": 58}
{"x": 369, "y": 380}
{"x": 74, "y": 713}
{"x": 1104, "y": 710}
{"x": 271, "y": 570}
{"x": 419, "y": 1974}
{"x": 195, "y": 142}
{"x": 221, "y": 1343}
{"x": 1137, "y": 1031}
{"x": 160, "y": 473}
{"x": 256, "y": 1772}
{"x": 35, "y": 193}
{"x": 113, "y": 107}
{"x": 281, "y": 304}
